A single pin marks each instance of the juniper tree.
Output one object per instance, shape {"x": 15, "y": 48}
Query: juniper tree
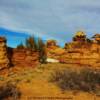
{"x": 31, "y": 43}
{"x": 42, "y": 51}
{"x": 20, "y": 46}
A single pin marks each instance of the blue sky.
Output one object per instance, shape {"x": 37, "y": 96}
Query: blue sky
{"x": 49, "y": 19}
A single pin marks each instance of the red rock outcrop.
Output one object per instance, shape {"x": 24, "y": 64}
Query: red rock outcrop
{"x": 24, "y": 57}
{"x": 4, "y": 61}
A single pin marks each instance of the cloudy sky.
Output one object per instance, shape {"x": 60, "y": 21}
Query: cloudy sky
{"x": 56, "y": 19}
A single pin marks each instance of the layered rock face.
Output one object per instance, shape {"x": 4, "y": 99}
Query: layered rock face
{"x": 53, "y": 50}
{"x": 82, "y": 57}
{"x": 4, "y": 61}
{"x": 51, "y": 44}
{"x": 24, "y": 58}
{"x": 82, "y": 53}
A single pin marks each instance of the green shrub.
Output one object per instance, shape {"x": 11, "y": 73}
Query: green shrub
{"x": 42, "y": 51}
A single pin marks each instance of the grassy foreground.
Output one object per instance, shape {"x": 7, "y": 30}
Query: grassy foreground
{"x": 34, "y": 83}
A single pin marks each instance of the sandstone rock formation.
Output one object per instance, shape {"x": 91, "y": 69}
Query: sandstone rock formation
{"x": 24, "y": 58}
{"x": 52, "y": 44}
{"x": 79, "y": 36}
{"x": 81, "y": 51}
{"x": 53, "y": 50}
{"x": 96, "y": 38}
{"x": 4, "y": 61}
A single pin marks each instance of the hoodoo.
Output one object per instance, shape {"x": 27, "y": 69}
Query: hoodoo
{"x": 4, "y": 61}
{"x": 79, "y": 36}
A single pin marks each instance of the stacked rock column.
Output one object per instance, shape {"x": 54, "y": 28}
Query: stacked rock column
{"x": 4, "y": 61}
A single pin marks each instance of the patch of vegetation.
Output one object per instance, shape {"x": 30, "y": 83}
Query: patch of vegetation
{"x": 35, "y": 46}
{"x": 42, "y": 51}
{"x": 31, "y": 43}
{"x": 9, "y": 90}
{"x": 20, "y": 46}
{"x": 87, "y": 80}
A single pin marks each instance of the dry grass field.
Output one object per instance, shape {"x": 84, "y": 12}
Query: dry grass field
{"x": 34, "y": 83}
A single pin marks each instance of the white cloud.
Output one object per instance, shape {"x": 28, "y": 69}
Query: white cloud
{"x": 50, "y": 18}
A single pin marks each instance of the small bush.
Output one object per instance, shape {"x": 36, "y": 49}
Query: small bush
{"x": 9, "y": 90}
{"x": 87, "y": 80}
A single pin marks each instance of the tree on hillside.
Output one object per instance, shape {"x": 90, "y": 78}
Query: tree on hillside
{"x": 20, "y": 46}
{"x": 42, "y": 51}
{"x": 31, "y": 43}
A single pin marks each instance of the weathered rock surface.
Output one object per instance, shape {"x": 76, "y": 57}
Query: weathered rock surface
{"x": 80, "y": 56}
{"x": 24, "y": 57}
{"x": 4, "y": 61}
